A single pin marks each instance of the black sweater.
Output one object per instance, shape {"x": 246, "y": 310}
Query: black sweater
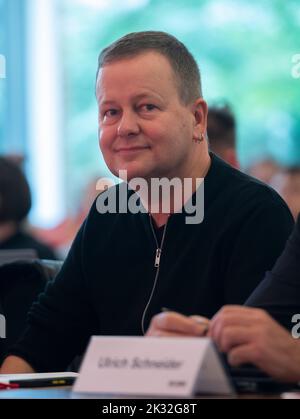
{"x": 108, "y": 276}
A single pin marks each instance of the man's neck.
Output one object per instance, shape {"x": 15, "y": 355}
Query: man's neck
{"x": 159, "y": 219}
{"x": 7, "y": 230}
{"x": 179, "y": 198}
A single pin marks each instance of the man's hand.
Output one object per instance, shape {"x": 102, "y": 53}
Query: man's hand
{"x": 15, "y": 365}
{"x": 172, "y": 324}
{"x": 250, "y": 335}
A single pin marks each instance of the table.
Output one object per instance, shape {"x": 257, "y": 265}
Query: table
{"x": 66, "y": 393}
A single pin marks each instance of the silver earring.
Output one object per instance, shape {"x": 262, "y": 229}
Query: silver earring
{"x": 199, "y": 139}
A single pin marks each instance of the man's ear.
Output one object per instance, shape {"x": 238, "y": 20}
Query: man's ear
{"x": 200, "y": 110}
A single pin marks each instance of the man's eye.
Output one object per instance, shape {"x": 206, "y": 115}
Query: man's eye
{"x": 148, "y": 107}
{"x": 109, "y": 113}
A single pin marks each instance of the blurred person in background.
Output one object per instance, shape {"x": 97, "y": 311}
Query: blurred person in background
{"x": 287, "y": 184}
{"x": 264, "y": 169}
{"x": 15, "y": 204}
{"x": 287, "y": 181}
{"x": 62, "y": 235}
{"x": 281, "y": 154}
{"x": 221, "y": 130}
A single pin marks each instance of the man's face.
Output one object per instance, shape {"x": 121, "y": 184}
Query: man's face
{"x": 143, "y": 126}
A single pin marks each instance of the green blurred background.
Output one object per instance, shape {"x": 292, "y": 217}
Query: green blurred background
{"x": 244, "y": 49}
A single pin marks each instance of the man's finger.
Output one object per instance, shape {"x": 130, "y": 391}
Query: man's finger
{"x": 233, "y": 336}
{"x": 178, "y": 323}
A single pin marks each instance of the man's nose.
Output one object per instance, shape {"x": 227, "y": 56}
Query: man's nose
{"x": 128, "y": 125}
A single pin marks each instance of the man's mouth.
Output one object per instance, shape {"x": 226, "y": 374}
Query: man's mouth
{"x": 129, "y": 150}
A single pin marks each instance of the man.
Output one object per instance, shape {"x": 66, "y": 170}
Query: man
{"x": 124, "y": 266}
{"x": 221, "y": 130}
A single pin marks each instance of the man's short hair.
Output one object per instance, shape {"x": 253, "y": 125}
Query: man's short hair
{"x": 15, "y": 198}
{"x": 184, "y": 66}
{"x": 221, "y": 127}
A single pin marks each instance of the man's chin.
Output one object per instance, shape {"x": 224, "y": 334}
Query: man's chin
{"x": 128, "y": 174}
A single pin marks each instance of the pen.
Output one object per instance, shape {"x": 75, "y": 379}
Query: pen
{"x": 199, "y": 319}
{"x": 43, "y": 382}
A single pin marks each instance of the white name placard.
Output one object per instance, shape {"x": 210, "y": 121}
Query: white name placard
{"x": 152, "y": 366}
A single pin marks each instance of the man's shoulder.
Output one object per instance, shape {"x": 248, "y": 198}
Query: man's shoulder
{"x": 245, "y": 187}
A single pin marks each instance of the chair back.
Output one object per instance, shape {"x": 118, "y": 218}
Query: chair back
{"x": 20, "y": 284}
